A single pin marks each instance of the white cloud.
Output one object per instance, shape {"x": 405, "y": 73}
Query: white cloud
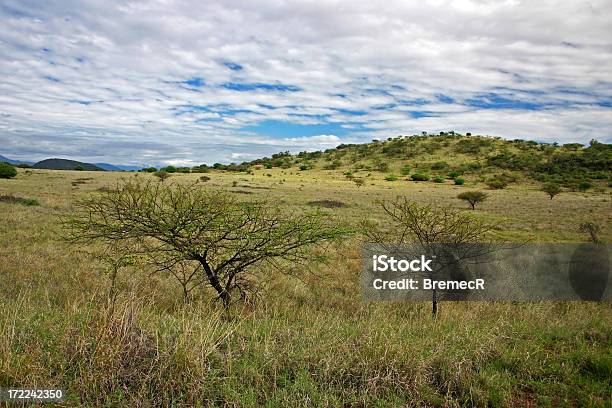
{"x": 106, "y": 81}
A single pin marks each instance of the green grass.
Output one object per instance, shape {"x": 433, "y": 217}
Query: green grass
{"x": 308, "y": 342}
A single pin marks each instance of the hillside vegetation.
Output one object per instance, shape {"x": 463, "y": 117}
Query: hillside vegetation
{"x": 449, "y": 156}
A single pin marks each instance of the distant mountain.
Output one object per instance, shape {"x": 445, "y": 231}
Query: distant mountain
{"x": 65, "y": 164}
{"x": 117, "y": 167}
{"x": 14, "y": 162}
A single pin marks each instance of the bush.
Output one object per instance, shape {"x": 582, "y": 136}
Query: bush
{"x": 438, "y": 179}
{"x": 453, "y": 175}
{"x": 304, "y": 167}
{"x": 162, "y": 175}
{"x": 391, "y": 177}
{"x": 459, "y": 181}
{"x": 169, "y": 169}
{"x": 552, "y": 189}
{"x": 406, "y": 169}
{"x": 18, "y": 200}
{"x": 497, "y": 184}
{"x": 584, "y": 185}
{"x": 441, "y": 165}
{"x": 204, "y": 178}
{"x": 7, "y": 171}
{"x": 419, "y": 177}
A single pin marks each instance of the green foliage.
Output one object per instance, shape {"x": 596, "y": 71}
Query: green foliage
{"x": 497, "y": 183}
{"x": 382, "y": 166}
{"x": 406, "y": 169}
{"x": 552, "y": 189}
{"x": 459, "y": 181}
{"x": 438, "y": 179}
{"x": 584, "y": 185}
{"x": 453, "y": 174}
{"x": 473, "y": 197}
{"x": 440, "y": 165}
{"x": 79, "y": 168}
{"x": 227, "y": 241}
{"x": 7, "y": 171}
{"x": 169, "y": 169}
{"x": 391, "y": 177}
{"x": 150, "y": 170}
{"x": 18, "y": 200}
{"x": 162, "y": 175}
{"x": 333, "y": 165}
{"x": 419, "y": 177}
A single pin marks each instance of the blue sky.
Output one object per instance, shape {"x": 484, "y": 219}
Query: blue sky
{"x": 187, "y": 82}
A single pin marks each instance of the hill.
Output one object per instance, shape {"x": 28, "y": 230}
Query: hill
{"x": 14, "y": 162}
{"x": 65, "y": 164}
{"x": 449, "y": 155}
{"x": 117, "y": 167}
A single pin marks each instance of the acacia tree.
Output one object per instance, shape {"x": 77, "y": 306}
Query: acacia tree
{"x": 552, "y": 189}
{"x": 473, "y": 197}
{"x": 437, "y": 230}
{"x": 227, "y": 242}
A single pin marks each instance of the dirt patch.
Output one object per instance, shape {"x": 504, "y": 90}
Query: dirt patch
{"x": 328, "y": 204}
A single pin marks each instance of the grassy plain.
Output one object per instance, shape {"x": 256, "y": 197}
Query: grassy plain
{"x": 309, "y": 342}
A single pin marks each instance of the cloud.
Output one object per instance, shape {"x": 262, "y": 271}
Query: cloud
{"x": 192, "y": 82}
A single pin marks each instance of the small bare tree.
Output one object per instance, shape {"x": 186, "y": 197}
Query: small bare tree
{"x": 473, "y": 197}
{"x": 227, "y": 242}
{"x": 592, "y": 229}
{"x": 430, "y": 226}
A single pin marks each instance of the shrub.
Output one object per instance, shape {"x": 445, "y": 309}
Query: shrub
{"x": 453, "y": 175}
{"x": 169, "y": 169}
{"x": 438, "y": 179}
{"x": 304, "y": 167}
{"x": 162, "y": 175}
{"x": 497, "y": 184}
{"x": 419, "y": 177}
{"x": 459, "y": 181}
{"x": 7, "y": 171}
{"x": 382, "y": 166}
{"x": 473, "y": 197}
{"x": 406, "y": 169}
{"x": 19, "y": 200}
{"x": 440, "y": 165}
{"x": 584, "y": 185}
{"x": 150, "y": 169}
{"x": 204, "y": 178}
{"x": 391, "y": 177}
{"x": 79, "y": 168}
{"x": 552, "y": 189}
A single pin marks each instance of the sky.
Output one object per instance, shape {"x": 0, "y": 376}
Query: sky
{"x": 191, "y": 82}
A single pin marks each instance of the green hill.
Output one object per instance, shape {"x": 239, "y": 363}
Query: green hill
{"x": 449, "y": 155}
{"x": 65, "y": 164}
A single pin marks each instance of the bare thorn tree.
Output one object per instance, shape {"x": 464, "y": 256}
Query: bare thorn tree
{"x": 228, "y": 243}
{"x": 429, "y": 226}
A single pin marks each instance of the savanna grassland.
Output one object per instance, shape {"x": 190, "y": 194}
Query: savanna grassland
{"x": 310, "y": 341}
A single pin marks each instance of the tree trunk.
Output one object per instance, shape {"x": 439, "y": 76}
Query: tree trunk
{"x": 434, "y": 303}
{"x": 215, "y": 283}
